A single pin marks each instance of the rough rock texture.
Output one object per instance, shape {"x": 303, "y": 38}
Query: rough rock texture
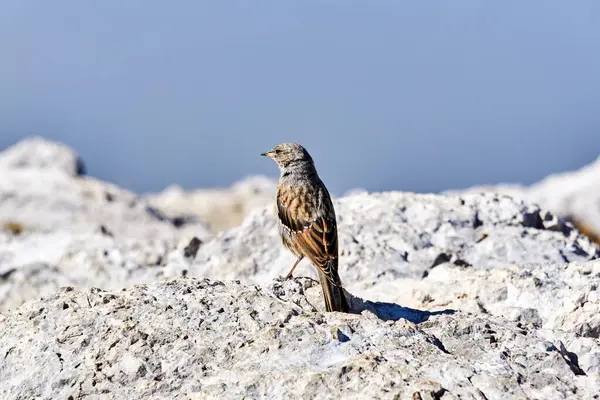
{"x": 190, "y": 338}
{"x": 479, "y": 296}
{"x": 52, "y": 221}
{"x": 573, "y": 195}
{"x": 393, "y": 235}
{"x": 221, "y": 208}
{"x": 384, "y": 238}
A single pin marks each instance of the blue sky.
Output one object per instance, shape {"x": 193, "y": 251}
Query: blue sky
{"x": 417, "y": 96}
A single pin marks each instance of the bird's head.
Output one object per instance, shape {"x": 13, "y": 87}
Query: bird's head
{"x": 289, "y": 154}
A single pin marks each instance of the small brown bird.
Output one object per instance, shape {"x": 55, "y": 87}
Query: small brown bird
{"x": 307, "y": 222}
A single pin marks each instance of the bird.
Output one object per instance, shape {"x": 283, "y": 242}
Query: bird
{"x": 307, "y": 220}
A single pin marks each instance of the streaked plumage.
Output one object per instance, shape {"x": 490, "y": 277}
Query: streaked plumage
{"x": 307, "y": 221}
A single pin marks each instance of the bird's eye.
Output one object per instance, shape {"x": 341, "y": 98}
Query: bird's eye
{"x": 277, "y": 151}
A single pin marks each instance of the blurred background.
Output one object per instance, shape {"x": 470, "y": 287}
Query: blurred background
{"x": 415, "y": 96}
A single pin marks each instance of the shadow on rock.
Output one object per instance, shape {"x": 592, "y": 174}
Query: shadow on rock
{"x": 393, "y": 312}
{"x": 308, "y": 291}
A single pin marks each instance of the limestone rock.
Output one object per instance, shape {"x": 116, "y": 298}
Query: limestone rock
{"x": 41, "y": 191}
{"x": 384, "y": 237}
{"x": 58, "y": 228}
{"x": 39, "y": 153}
{"x": 211, "y": 339}
{"x": 574, "y": 195}
{"x": 47, "y": 201}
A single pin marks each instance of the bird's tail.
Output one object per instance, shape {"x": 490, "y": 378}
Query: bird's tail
{"x": 332, "y": 289}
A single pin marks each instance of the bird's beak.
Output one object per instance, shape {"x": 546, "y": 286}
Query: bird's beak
{"x": 267, "y": 154}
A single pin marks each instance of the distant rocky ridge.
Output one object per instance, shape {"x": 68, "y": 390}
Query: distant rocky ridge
{"x": 477, "y": 295}
{"x": 221, "y": 208}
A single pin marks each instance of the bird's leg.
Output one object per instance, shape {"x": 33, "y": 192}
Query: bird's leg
{"x": 289, "y": 275}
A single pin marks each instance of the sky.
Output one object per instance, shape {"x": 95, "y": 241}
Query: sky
{"x": 385, "y": 95}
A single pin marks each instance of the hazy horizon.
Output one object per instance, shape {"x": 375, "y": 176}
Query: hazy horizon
{"x": 386, "y": 96}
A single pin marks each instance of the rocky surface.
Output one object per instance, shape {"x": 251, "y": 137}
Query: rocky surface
{"x": 479, "y": 296}
{"x": 385, "y": 239}
{"x": 37, "y": 153}
{"x": 190, "y": 338}
{"x": 384, "y": 236}
{"x": 42, "y": 189}
{"x": 574, "y": 195}
{"x": 54, "y": 223}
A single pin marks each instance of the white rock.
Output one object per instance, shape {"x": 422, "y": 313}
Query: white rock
{"x": 39, "y": 153}
{"x": 57, "y": 228}
{"x": 574, "y": 195}
{"x": 47, "y": 201}
{"x": 385, "y": 237}
{"x": 208, "y": 339}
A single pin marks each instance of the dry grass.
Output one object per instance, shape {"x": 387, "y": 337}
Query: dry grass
{"x": 13, "y": 227}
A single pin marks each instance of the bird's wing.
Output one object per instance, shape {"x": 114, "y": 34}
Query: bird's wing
{"x": 314, "y": 233}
